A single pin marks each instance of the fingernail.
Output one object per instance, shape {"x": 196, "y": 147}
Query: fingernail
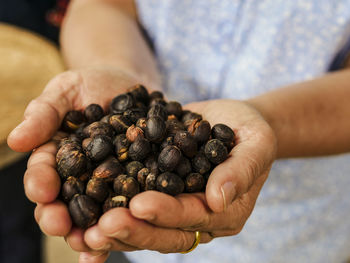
{"x": 121, "y": 234}
{"x": 228, "y": 193}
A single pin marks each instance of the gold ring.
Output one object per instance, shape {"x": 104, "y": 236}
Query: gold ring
{"x": 195, "y": 243}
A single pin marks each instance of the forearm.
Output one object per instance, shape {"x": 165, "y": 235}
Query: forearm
{"x": 104, "y": 33}
{"x": 310, "y": 118}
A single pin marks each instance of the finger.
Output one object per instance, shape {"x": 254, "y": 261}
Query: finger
{"x": 93, "y": 257}
{"x": 41, "y": 182}
{"x": 240, "y": 209}
{"x": 96, "y": 240}
{"x": 37, "y": 212}
{"x": 75, "y": 239}
{"x": 54, "y": 219}
{"x": 142, "y": 235}
{"x": 186, "y": 211}
{"x": 44, "y": 114}
{"x": 251, "y": 157}
{"x": 44, "y": 154}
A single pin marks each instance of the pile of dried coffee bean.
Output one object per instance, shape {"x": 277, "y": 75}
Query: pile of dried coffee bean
{"x": 142, "y": 143}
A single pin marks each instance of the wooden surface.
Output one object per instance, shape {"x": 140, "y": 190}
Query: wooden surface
{"x": 27, "y": 63}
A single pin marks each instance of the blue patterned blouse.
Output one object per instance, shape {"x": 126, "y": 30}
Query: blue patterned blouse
{"x": 238, "y": 49}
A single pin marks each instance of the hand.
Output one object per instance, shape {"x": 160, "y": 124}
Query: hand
{"x": 68, "y": 91}
{"x": 164, "y": 223}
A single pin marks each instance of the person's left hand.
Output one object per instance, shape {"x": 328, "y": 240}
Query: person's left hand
{"x": 157, "y": 221}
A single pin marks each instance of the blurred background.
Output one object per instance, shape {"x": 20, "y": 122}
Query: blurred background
{"x": 29, "y": 58}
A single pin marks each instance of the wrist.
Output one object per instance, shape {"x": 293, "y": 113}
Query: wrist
{"x": 265, "y": 111}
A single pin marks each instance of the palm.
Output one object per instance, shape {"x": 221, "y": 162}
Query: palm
{"x": 68, "y": 91}
{"x": 255, "y": 145}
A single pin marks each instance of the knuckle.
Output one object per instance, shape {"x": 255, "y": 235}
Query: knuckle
{"x": 184, "y": 241}
{"x": 147, "y": 242}
{"x": 204, "y": 223}
{"x": 235, "y": 231}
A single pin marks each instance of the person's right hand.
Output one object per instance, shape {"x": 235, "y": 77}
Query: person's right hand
{"x": 42, "y": 118}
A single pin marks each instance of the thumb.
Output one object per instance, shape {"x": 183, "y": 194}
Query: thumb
{"x": 44, "y": 114}
{"x": 234, "y": 177}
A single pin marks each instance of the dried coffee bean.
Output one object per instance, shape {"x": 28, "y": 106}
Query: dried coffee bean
{"x": 156, "y": 95}
{"x": 139, "y": 93}
{"x": 174, "y": 108}
{"x": 154, "y": 148}
{"x": 200, "y": 130}
{"x": 120, "y": 123}
{"x": 169, "y": 158}
{"x": 66, "y": 148}
{"x": 121, "y": 147}
{"x": 97, "y": 188}
{"x": 141, "y": 123}
{"x": 85, "y": 143}
{"x": 72, "y": 121}
{"x": 168, "y": 141}
{"x": 215, "y": 151}
{"x": 84, "y": 211}
{"x": 108, "y": 170}
{"x": 155, "y": 135}
{"x": 225, "y": 134}
{"x": 85, "y": 176}
{"x": 151, "y": 162}
{"x": 105, "y": 119}
{"x": 186, "y": 143}
{"x": 98, "y": 128}
{"x": 158, "y": 111}
{"x": 133, "y": 168}
{"x": 141, "y": 177}
{"x": 71, "y": 187}
{"x": 73, "y": 163}
{"x": 126, "y": 185}
{"x": 135, "y": 113}
{"x": 200, "y": 163}
{"x": 194, "y": 182}
{"x": 184, "y": 167}
{"x": 173, "y": 126}
{"x": 157, "y": 101}
{"x": 115, "y": 201}
{"x": 99, "y": 148}
{"x": 133, "y": 132}
{"x": 139, "y": 149}
{"x": 155, "y": 129}
{"x": 93, "y": 112}
{"x": 189, "y": 116}
{"x": 170, "y": 183}
{"x": 71, "y": 139}
{"x": 80, "y": 131}
{"x": 151, "y": 182}
{"x": 122, "y": 102}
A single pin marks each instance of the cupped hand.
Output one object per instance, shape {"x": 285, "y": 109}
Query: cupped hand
{"x": 160, "y": 222}
{"x": 71, "y": 90}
